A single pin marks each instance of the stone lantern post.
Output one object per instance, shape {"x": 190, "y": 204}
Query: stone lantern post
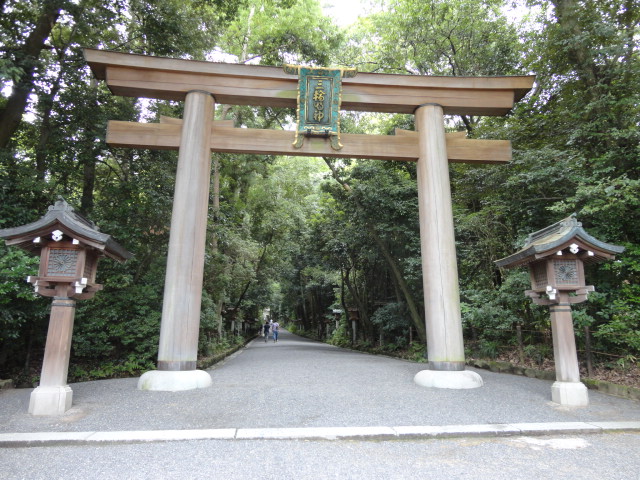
{"x": 69, "y": 247}
{"x": 556, "y": 256}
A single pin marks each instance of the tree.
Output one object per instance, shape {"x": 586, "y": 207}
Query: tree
{"x": 438, "y": 37}
{"x": 22, "y": 59}
{"x": 575, "y": 145}
{"x": 274, "y": 32}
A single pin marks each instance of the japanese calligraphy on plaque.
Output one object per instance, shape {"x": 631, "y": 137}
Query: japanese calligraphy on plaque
{"x": 319, "y": 97}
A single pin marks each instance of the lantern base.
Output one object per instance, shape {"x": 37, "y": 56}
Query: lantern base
{"x": 573, "y": 394}
{"x": 174, "y": 381}
{"x": 458, "y": 380}
{"x": 50, "y": 400}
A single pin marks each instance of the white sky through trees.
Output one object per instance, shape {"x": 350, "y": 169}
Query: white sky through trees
{"x": 346, "y": 12}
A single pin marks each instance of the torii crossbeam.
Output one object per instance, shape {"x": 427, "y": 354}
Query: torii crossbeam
{"x": 199, "y": 84}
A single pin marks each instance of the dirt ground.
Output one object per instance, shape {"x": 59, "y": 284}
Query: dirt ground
{"x": 629, "y": 375}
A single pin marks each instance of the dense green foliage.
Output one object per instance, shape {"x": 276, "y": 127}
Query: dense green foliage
{"x": 315, "y": 239}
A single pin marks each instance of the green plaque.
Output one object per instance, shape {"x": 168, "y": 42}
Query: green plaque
{"x": 319, "y": 98}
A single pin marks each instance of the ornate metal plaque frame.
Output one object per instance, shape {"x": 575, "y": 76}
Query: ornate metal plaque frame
{"x": 319, "y": 98}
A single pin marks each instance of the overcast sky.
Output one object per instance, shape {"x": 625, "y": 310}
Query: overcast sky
{"x": 345, "y": 12}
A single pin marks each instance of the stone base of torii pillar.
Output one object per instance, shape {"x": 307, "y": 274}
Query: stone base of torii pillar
{"x": 573, "y": 394}
{"x": 442, "y": 379}
{"x": 54, "y": 400}
{"x": 168, "y": 381}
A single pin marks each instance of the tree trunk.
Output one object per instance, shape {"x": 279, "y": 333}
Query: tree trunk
{"x": 520, "y": 344}
{"x": 11, "y": 114}
{"x": 215, "y": 201}
{"x": 344, "y": 305}
{"x": 416, "y": 318}
{"x": 566, "y": 13}
{"x": 258, "y": 267}
{"x": 587, "y": 351}
{"x": 361, "y": 305}
{"x": 46, "y": 100}
{"x": 89, "y": 162}
{"x": 398, "y": 278}
{"x": 304, "y": 304}
{"x": 219, "y": 314}
{"x": 88, "y": 184}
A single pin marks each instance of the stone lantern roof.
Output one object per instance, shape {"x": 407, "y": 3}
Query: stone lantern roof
{"x": 64, "y": 218}
{"x": 567, "y": 233}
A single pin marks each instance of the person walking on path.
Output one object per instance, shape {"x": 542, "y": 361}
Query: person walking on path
{"x": 275, "y": 328}
{"x": 265, "y": 330}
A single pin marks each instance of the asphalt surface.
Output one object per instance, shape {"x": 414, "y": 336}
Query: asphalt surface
{"x": 303, "y": 409}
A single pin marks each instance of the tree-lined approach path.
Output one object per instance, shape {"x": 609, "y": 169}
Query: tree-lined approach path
{"x": 283, "y": 410}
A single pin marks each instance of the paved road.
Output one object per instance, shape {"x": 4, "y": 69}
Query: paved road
{"x": 602, "y": 457}
{"x": 299, "y": 384}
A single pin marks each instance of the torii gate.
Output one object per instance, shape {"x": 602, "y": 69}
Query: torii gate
{"x": 201, "y": 84}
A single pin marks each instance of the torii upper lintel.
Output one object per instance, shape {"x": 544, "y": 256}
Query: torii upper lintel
{"x": 233, "y": 84}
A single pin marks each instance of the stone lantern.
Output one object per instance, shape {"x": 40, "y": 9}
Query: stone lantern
{"x": 556, "y": 256}
{"x": 69, "y": 247}
{"x": 337, "y": 313}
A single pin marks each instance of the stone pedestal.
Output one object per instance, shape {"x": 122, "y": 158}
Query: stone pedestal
{"x": 168, "y": 381}
{"x": 458, "y": 380}
{"x": 572, "y": 394}
{"x": 50, "y": 400}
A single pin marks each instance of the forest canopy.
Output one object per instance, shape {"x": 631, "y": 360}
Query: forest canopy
{"x": 315, "y": 239}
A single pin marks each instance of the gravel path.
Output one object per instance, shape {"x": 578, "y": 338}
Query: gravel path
{"x": 301, "y": 383}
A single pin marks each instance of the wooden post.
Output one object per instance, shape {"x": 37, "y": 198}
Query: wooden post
{"x": 437, "y": 242}
{"x": 53, "y": 396}
{"x": 520, "y": 344}
{"x": 445, "y": 346}
{"x": 587, "y": 350}
{"x": 57, "y": 350}
{"x": 564, "y": 341}
{"x": 567, "y": 389}
{"x": 180, "y": 325}
{"x": 185, "y": 259}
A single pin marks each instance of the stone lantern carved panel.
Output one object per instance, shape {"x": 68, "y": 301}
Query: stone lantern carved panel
{"x": 62, "y": 262}
{"x": 566, "y": 272}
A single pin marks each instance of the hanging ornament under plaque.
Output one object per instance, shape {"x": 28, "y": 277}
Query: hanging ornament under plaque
{"x": 319, "y": 98}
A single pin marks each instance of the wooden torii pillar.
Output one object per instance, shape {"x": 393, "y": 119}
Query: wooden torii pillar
{"x": 200, "y": 84}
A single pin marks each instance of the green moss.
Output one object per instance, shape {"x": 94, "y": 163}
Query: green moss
{"x": 609, "y": 388}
